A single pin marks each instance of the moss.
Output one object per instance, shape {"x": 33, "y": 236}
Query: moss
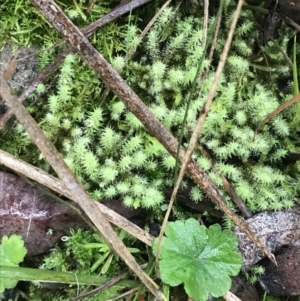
{"x": 108, "y": 148}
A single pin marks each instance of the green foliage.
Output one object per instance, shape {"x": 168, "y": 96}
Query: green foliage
{"x": 22, "y": 24}
{"x": 84, "y": 252}
{"x": 38, "y": 294}
{"x": 12, "y": 250}
{"x": 12, "y": 253}
{"x": 105, "y": 252}
{"x": 163, "y": 77}
{"x": 79, "y": 253}
{"x": 253, "y": 274}
{"x": 199, "y": 257}
{"x": 270, "y": 298}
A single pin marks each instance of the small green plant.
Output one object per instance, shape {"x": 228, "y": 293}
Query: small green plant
{"x": 12, "y": 253}
{"x": 108, "y": 149}
{"x": 50, "y": 232}
{"x": 106, "y": 254}
{"x": 86, "y": 252}
{"x": 269, "y": 298}
{"x": 201, "y": 258}
{"x": 253, "y": 274}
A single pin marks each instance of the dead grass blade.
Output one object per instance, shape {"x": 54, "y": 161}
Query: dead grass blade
{"x": 277, "y": 111}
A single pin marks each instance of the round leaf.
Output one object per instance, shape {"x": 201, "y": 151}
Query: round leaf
{"x": 12, "y": 250}
{"x": 201, "y": 258}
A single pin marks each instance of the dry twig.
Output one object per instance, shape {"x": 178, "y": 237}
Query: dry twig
{"x": 229, "y": 296}
{"x": 205, "y": 21}
{"x": 235, "y": 198}
{"x": 277, "y": 111}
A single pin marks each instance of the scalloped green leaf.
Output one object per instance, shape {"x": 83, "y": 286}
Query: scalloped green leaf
{"x": 201, "y": 258}
{"x": 12, "y": 250}
{"x": 7, "y": 283}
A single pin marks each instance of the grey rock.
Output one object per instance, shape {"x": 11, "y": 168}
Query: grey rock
{"x": 274, "y": 229}
{"x": 27, "y": 65}
{"x": 25, "y": 71}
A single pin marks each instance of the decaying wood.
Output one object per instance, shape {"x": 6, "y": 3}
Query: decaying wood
{"x": 111, "y": 78}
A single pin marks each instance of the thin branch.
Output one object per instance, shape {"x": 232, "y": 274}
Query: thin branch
{"x": 194, "y": 138}
{"x": 104, "y": 286}
{"x": 289, "y": 21}
{"x": 101, "y": 288}
{"x": 214, "y": 41}
{"x": 71, "y": 206}
{"x": 282, "y": 107}
{"x": 91, "y": 6}
{"x": 112, "y": 15}
{"x": 147, "y": 28}
{"x": 213, "y": 45}
{"x": 205, "y": 21}
{"x": 210, "y": 96}
{"x": 133, "y": 290}
{"x": 288, "y": 60}
{"x": 235, "y": 198}
{"x": 229, "y": 296}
